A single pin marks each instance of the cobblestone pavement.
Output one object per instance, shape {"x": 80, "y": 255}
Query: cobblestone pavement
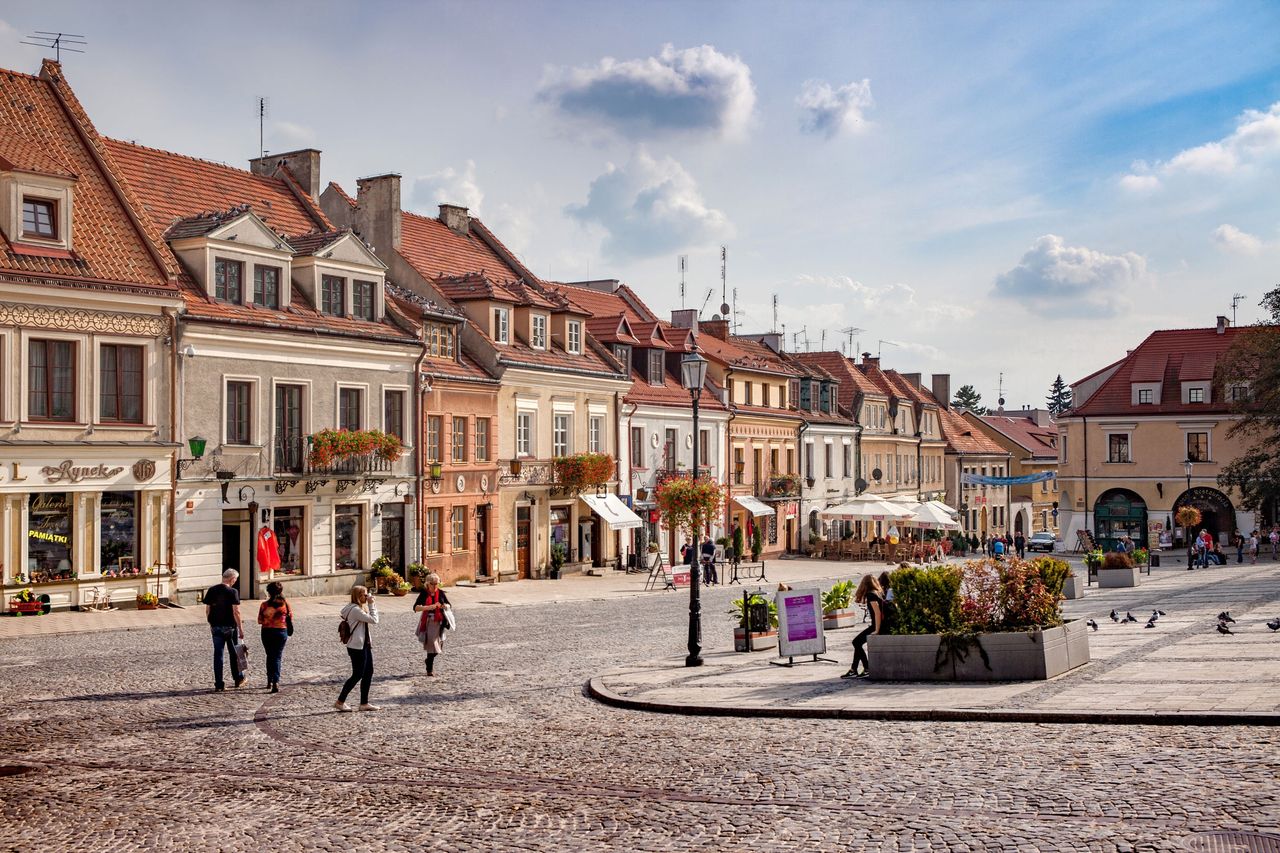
{"x": 129, "y": 750}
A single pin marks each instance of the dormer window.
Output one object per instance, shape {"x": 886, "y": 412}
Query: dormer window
{"x": 227, "y": 280}
{"x": 439, "y": 340}
{"x": 1195, "y": 395}
{"x": 501, "y": 326}
{"x": 1145, "y": 396}
{"x": 656, "y": 367}
{"x": 806, "y": 396}
{"x": 362, "y": 300}
{"x": 39, "y": 218}
{"x": 333, "y": 297}
{"x": 538, "y": 333}
{"x": 573, "y": 338}
{"x": 622, "y": 353}
{"x": 266, "y": 286}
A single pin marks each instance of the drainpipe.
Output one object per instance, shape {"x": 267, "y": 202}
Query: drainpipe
{"x": 728, "y": 452}
{"x": 419, "y": 429}
{"x": 1085, "y": 443}
{"x": 171, "y": 549}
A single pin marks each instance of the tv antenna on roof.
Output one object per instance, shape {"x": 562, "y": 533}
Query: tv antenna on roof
{"x": 1235, "y": 300}
{"x": 851, "y": 331}
{"x": 724, "y": 293}
{"x": 262, "y": 115}
{"x": 880, "y": 349}
{"x": 684, "y": 267}
{"x": 710, "y": 292}
{"x": 775, "y": 313}
{"x": 69, "y": 42}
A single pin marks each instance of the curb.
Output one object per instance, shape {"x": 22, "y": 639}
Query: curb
{"x": 596, "y": 689}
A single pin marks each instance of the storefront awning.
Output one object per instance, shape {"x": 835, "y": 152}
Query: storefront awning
{"x": 612, "y": 511}
{"x": 753, "y": 506}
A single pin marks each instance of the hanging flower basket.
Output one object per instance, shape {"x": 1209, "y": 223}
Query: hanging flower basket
{"x": 1188, "y": 516}
{"x": 687, "y": 504}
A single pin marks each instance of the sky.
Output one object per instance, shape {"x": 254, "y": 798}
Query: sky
{"x": 1004, "y": 192}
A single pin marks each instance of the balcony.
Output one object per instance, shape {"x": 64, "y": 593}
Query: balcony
{"x": 291, "y": 454}
{"x": 786, "y": 486}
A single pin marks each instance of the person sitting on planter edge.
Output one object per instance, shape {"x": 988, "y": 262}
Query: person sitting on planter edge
{"x": 870, "y": 594}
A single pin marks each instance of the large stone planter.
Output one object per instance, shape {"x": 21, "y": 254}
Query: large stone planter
{"x": 1113, "y": 578}
{"x": 1073, "y": 588}
{"x": 760, "y": 640}
{"x": 839, "y": 619}
{"x": 1014, "y": 656}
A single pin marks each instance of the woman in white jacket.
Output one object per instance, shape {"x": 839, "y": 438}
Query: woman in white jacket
{"x": 359, "y": 614}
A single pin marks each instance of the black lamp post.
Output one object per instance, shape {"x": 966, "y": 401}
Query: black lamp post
{"x": 1186, "y": 533}
{"x": 693, "y": 373}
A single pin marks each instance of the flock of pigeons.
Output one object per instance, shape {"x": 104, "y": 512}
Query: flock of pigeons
{"x": 1224, "y": 619}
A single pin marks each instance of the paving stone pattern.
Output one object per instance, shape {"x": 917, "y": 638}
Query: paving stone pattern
{"x": 130, "y": 750}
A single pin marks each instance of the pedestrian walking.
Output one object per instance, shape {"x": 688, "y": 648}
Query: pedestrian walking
{"x": 1275, "y": 542}
{"x": 997, "y": 548}
{"x": 871, "y": 595}
{"x": 1238, "y": 538}
{"x": 431, "y": 604}
{"x": 709, "y": 575}
{"x": 222, "y": 609}
{"x": 358, "y": 615}
{"x": 1020, "y": 544}
{"x": 276, "y": 618}
{"x": 1252, "y": 547}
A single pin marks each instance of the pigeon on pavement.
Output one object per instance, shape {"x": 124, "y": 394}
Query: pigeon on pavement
{"x": 1129, "y": 617}
{"x": 1223, "y": 629}
{"x": 1155, "y": 614}
{"x": 1274, "y": 624}
{"x": 1225, "y": 616}
{"x": 1094, "y": 625}
{"x": 1162, "y": 613}
{"x": 1114, "y": 617}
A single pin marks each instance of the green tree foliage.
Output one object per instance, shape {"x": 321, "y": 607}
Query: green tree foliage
{"x": 967, "y": 397}
{"x": 1059, "y": 399}
{"x": 1254, "y": 362}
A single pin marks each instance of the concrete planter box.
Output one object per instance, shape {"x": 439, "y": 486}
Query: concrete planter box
{"x": 1073, "y": 588}
{"x": 1014, "y": 656}
{"x": 839, "y": 619}
{"x": 759, "y": 640}
{"x": 1113, "y": 578}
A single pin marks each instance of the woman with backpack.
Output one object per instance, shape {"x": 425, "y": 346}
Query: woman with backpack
{"x": 431, "y": 603}
{"x": 870, "y": 594}
{"x": 276, "y": 618}
{"x": 356, "y": 619}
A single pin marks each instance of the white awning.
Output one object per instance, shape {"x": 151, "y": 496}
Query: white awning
{"x": 612, "y": 511}
{"x": 753, "y": 506}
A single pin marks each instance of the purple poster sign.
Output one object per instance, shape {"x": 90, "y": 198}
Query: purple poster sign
{"x": 802, "y": 618}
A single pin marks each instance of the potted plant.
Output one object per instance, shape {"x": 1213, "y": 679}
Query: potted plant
{"x": 737, "y": 544}
{"x": 757, "y": 543}
{"x": 418, "y": 575}
{"x": 1141, "y": 555}
{"x": 558, "y": 553}
{"x": 382, "y": 572}
{"x": 837, "y": 606}
{"x": 764, "y": 633}
{"x": 400, "y": 586}
{"x": 26, "y": 603}
{"x": 148, "y": 601}
{"x": 1117, "y": 570}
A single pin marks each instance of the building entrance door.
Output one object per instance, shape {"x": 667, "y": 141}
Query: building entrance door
{"x": 482, "y": 541}
{"x": 393, "y": 535}
{"x": 231, "y": 555}
{"x": 522, "y": 542}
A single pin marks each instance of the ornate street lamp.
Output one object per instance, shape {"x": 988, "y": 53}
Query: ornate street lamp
{"x": 1187, "y": 530}
{"x": 693, "y": 374}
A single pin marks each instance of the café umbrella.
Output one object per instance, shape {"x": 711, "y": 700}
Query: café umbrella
{"x": 868, "y": 508}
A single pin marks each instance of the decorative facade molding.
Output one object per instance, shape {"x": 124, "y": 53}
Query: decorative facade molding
{"x": 82, "y": 320}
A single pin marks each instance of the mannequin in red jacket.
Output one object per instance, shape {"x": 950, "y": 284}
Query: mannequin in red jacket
{"x": 268, "y": 551}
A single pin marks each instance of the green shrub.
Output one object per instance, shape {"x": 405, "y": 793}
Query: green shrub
{"x": 926, "y": 600}
{"x": 1054, "y": 572}
{"x": 979, "y": 596}
{"x": 740, "y": 616}
{"x": 757, "y": 543}
{"x": 839, "y": 597}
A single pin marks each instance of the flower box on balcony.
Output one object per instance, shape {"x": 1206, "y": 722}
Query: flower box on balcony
{"x": 341, "y": 449}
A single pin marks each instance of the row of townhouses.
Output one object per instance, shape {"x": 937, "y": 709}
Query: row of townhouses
{"x": 207, "y": 367}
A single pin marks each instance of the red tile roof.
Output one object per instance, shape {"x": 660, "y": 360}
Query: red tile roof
{"x": 963, "y": 437}
{"x": 744, "y": 354}
{"x": 851, "y": 380}
{"x": 1185, "y": 353}
{"x": 1041, "y": 442}
{"x": 436, "y": 251}
{"x": 44, "y": 128}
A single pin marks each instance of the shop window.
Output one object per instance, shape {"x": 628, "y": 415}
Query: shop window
{"x": 458, "y": 522}
{"x": 433, "y": 530}
{"x": 347, "y": 521}
{"x": 291, "y": 536}
{"x": 118, "y": 547}
{"x": 120, "y": 383}
{"x": 560, "y": 528}
{"x": 228, "y": 277}
{"x": 482, "y": 439}
{"x": 51, "y": 380}
{"x": 49, "y": 536}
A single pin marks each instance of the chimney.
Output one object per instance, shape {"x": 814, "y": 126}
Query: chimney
{"x": 942, "y": 389}
{"x": 773, "y": 340}
{"x": 716, "y": 328}
{"x": 868, "y": 361}
{"x": 1223, "y": 323}
{"x": 303, "y": 164}
{"x": 685, "y": 318}
{"x": 604, "y": 285}
{"x": 1042, "y": 417}
{"x": 457, "y": 218}
{"x": 378, "y": 198}
{"x": 913, "y": 378}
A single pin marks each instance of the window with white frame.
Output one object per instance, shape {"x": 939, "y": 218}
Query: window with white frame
{"x": 656, "y": 366}
{"x": 595, "y": 434}
{"x": 573, "y": 337}
{"x": 560, "y": 444}
{"x": 1195, "y": 395}
{"x": 434, "y": 427}
{"x": 239, "y": 409}
{"x": 458, "y": 445}
{"x": 501, "y": 325}
{"x": 459, "y": 524}
{"x": 433, "y": 530}
{"x": 393, "y": 413}
{"x": 482, "y": 439}
{"x": 1146, "y": 396}
{"x": 538, "y": 335}
{"x": 350, "y": 406}
{"x": 524, "y": 433}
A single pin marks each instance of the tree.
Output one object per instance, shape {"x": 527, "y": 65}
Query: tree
{"x": 968, "y": 398}
{"x": 1059, "y": 399}
{"x": 1253, "y": 363}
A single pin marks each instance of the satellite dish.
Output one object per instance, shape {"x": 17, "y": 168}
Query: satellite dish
{"x": 715, "y": 316}
{"x": 876, "y": 474}
{"x": 724, "y": 307}
{"x": 1000, "y": 402}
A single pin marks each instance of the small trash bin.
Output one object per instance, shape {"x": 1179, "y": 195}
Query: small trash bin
{"x": 758, "y": 617}
{"x": 1155, "y": 561}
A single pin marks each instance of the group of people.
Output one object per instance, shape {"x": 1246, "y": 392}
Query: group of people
{"x": 357, "y": 618}
{"x": 1208, "y": 551}
{"x": 690, "y": 554}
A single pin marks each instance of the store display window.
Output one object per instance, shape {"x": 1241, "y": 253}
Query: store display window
{"x": 49, "y": 537}
{"x": 346, "y": 536}
{"x": 118, "y": 545}
{"x": 291, "y": 534}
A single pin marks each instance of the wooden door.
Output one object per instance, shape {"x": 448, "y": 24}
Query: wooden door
{"x": 522, "y": 542}
{"x": 482, "y": 541}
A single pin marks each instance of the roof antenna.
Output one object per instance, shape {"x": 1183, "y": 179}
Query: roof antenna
{"x": 710, "y": 292}
{"x": 724, "y": 293}
{"x": 1235, "y": 300}
{"x": 823, "y": 346}
{"x": 880, "y": 349}
{"x": 69, "y": 42}
{"x": 684, "y": 267}
{"x": 851, "y": 331}
{"x": 784, "y": 337}
{"x": 1000, "y": 393}
{"x": 775, "y": 314}
{"x": 262, "y": 115}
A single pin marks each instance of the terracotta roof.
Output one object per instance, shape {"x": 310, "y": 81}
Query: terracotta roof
{"x": 851, "y": 380}
{"x": 669, "y": 393}
{"x": 612, "y": 329}
{"x": 416, "y": 308}
{"x": 1186, "y": 354}
{"x": 963, "y": 437}
{"x": 744, "y": 354}
{"x": 174, "y": 186}
{"x": 45, "y": 128}
{"x": 1041, "y": 442}
{"x": 1149, "y": 367}
{"x": 309, "y": 244}
{"x": 436, "y": 251}
{"x": 203, "y": 223}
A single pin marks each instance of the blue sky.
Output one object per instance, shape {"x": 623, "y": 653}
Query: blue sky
{"x": 1016, "y": 188}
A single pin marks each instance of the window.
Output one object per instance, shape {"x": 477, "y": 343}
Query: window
{"x": 349, "y": 404}
{"x": 290, "y": 531}
{"x": 574, "y": 337}
{"x": 1198, "y": 446}
{"x": 49, "y": 533}
{"x": 51, "y": 385}
{"x": 670, "y": 449}
{"x": 362, "y": 300}
{"x": 560, "y": 445}
{"x": 118, "y": 513}
{"x": 538, "y": 337}
{"x": 808, "y": 461}
{"x": 393, "y": 414}
{"x": 290, "y": 446}
{"x": 120, "y": 383}
{"x": 774, "y": 470}
{"x": 346, "y": 536}
{"x": 656, "y": 366}
{"x": 239, "y": 395}
{"x": 806, "y": 396}
{"x": 791, "y": 461}
{"x": 227, "y": 278}
{"x": 1145, "y": 396}
{"x": 1195, "y": 395}
{"x": 622, "y": 353}
{"x": 830, "y": 467}
{"x": 459, "y": 524}
{"x": 433, "y": 530}
{"x": 439, "y": 340}
{"x": 333, "y": 297}
{"x": 595, "y": 435}
{"x": 704, "y": 448}
{"x": 1238, "y": 392}
{"x": 764, "y": 394}
{"x": 266, "y": 286}
{"x": 746, "y": 386}
{"x": 39, "y": 218}
{"x": 757, "y": 465}
{"x": 848, "y": 460}
{"x": 459, "y": 447}
{"x": 501, "y": 326}
{"x": 739, "y": 465}
{"x": 433, "y": 438}
{"x": 524, "y": 433}
{"x": 1062, "y": 447}
{"x": 482, "y": 439}
{"x": 637, "y": 447}
{"x": 1118, "y": 448}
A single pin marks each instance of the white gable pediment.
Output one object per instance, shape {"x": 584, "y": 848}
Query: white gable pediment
{"x": 349, "y": 249}
{"x": 249, "y": 230}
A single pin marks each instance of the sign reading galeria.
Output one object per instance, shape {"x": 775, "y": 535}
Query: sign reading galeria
{"x": 800, "y": 622}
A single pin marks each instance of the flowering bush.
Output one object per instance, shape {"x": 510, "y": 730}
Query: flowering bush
{"x": 147, "y": 599}
{"x": 329, "y": 445}
{"x": 25, "y": 595}
{"x": 786, "y": 485}
{"x": 575, "y": 474}
{"x": 686, "y": 504}
{"x": 979, "y": 596}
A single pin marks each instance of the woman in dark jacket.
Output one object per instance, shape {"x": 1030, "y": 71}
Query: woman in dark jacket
{"x": 870, "y": 594}
{"x": 431, "y": 603}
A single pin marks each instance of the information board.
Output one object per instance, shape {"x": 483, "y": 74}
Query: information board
{"x": 680, "y": 575}
{"x": 800, "y": 622}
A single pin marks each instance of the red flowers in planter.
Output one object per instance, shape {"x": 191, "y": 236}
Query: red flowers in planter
{"x": 329, "y": 445}
{"x": 575, "y": 474}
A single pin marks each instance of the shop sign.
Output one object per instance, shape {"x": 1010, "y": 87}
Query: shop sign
{"x": 144, "y": 469}
{"x": 68, "y": 472}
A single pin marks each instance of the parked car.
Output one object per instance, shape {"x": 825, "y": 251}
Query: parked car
{"x": 1041, "y": 541}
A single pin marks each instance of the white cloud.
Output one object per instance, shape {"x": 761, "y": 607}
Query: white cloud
{"x": 832, "y": 112}
{"x": 648, "y": 207}
{"x": 896, "y": 300}
{"x": 1254, "y": 142}
{"x": 1071, "y": 280}
{"x": 288, "y": 134}
{"x": 448, "y": 186}
{"x": 697, "y": 89}
{"x": 1229, "y": 238}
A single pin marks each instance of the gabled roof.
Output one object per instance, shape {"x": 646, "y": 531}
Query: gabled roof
{"x": 744, "y": 354}
{"x": 44, "y": 128}
{"x": 436, "y": 251}
{"x": 1040, "y": 441}
{"x": 613, "y": 329}
{"x": 852, "y": 381}
{"x": 418, "y": 309}
{"x": 963, "y": 437}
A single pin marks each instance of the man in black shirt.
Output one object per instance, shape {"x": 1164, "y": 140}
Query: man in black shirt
{"x": 222, "y": 608}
